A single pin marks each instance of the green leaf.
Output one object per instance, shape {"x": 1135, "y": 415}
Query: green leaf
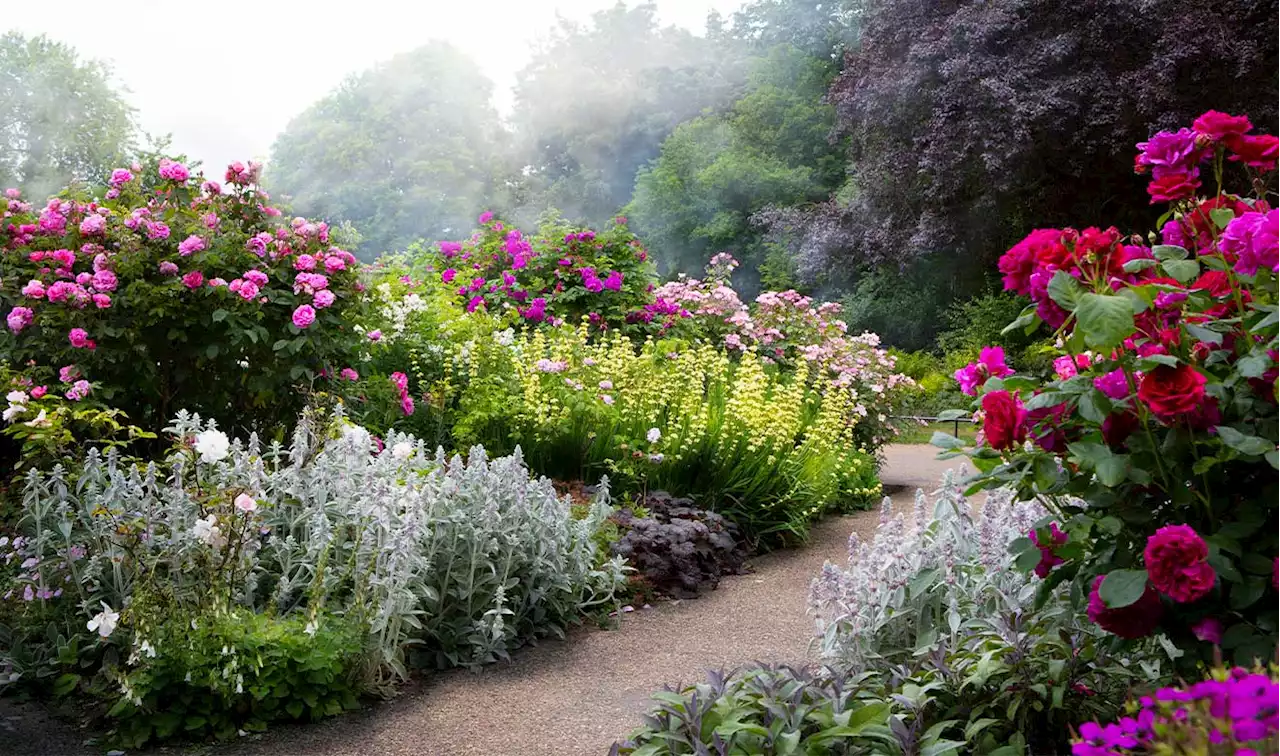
{"x": 1222, "y": 216}
{"x": 1254, "y": 446}
{"x": 1183, "y": 271}
{"x": 1111, "y": 468}
{"x": 1236, "y": 635}
{"x": 1064, "y": 289}
{"x": 220, "y": 315}
{"x": 1169, "y": 252}
{"x": 1141, "y": 264}
{"x": 1046, "y": 399}
{"x": 1203, "y": 334}
{"x": 1027, "y": 319}
{"x": 1246, "y": 594}
{"x": 281, "y": 344}
{"x": 1019, "y": 545}
{"x": 211, "y": 351}
{"x": 946, "y": 441}
{"x": 1123, "y": 587}
{"x": 1027, "y": 560}
{"x": 1105, "y": 320}
{"x": 1225, "y": 568}
{"x": 65, "y": 684}
{"x": 954, "y": 414}
{"x": 1254, "y": 364}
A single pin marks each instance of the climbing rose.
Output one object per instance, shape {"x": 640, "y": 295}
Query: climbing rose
{"x": 190, "y": 245}
{"x": 193, "y": 280}
{"x": 304, "y": 316}
{"x": 102, "y": 301}
{"x": 1136, "y": 620}
{"x": 19, "y": 318}
{"x": 173, "y": 171}
{"x": 323, "y": 298}
{"x": 1176, "y": 563}
{"x": 1004, "y": 420}
{"x": 304, "y": 262}
{"x": 93, "y": 225}
{"x": 1172, "y": 391}
{"x": 78, "y": 337}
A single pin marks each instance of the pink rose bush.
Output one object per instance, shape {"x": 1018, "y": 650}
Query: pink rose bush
{"x": 174, "y": 292}
{"x": 1161, "y": 412}
{"x": 560, "y": 274}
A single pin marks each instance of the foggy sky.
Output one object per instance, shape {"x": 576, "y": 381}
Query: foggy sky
{"x": 225, "y": 77}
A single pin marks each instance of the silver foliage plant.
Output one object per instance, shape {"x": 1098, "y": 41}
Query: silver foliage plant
{"x": 457, "y": 561}
{"x": 923, "y": 575}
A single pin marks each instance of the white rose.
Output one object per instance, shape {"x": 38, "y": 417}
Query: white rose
{"x": 213, "y": 446}
{"x": 402, "y": 450}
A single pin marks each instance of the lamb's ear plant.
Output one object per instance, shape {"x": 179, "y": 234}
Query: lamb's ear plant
{"x": 412, "y": 556}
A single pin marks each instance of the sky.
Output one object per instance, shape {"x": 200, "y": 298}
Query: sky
{"x": 223, "y": 78}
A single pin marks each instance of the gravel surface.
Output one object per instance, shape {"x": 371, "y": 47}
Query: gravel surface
{"x": 577, "y": 696}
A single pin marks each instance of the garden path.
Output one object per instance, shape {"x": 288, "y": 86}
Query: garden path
{"x": 565, "y": 698}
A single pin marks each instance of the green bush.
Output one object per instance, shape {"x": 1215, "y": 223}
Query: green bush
{"x": 215, "y": 674}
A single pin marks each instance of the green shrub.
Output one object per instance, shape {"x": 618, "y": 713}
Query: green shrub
{"x": 216, "y": 674}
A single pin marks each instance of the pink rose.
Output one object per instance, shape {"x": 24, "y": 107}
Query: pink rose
{"x": 257, "y": 277}
{"x": 323, "y": 298}
{"x": 78, "y": 337}
{"x": 190, "y": 245}
{"x": 349, "y": 374}
{"x": 173, "y": 171}
{"x": 19, "y": 318}
{"x": 216, "y": 282}
{"x": 120, "y": 176}
{"x": 102, "y": 301}
{"x": 33, "y": 289}
{"x": 375, "y": 335}
{"x": 304, "y": 316}
{"x": 304, "y": 262}
{"x": 168, "y": 269}
{"x": 249, "y": 290}
{"x": 39, "y": 391}
{"x": 193, "y": 280}
{"x": 93, "y": 225}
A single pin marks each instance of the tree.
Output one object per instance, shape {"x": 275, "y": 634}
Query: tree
{"x": 404, "y": 150}
{"x": 715, "y": 171}
{"x": 60, "y": 118}
{"x": 972, "y": 122}
{"x": 596, "y": 101}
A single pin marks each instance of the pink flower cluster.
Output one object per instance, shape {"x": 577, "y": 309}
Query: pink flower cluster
{"x": 1173, "y": 158}
{"x": 401, "y": 382}
{"x": 990, "y": 364}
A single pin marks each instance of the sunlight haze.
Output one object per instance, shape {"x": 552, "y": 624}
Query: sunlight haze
{"x": 265, "y": 62}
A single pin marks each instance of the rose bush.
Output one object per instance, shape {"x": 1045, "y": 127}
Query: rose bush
{"x": 173, "y": 291}
{"x": 1161, "y": 414}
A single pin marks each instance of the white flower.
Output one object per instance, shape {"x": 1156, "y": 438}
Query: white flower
{"x": 402, "y": 450}
{"x": 207, "y": 530}
{"x": 213, "y": 445}
{"x": 245, "y": 503}
{"x": 311, "y": 628}
{"x": 654, "y": 435}
{"x": 148, "y": 649}
{"x": 40, "y": 420}
{"x": 105, "y": 621}
{"x": 13, "y": 411}
{"x": 17, "y": 397}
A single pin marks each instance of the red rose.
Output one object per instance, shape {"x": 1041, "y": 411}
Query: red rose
{"x": 1172, "y": 391}
{"x": 1137, "y": 620}
{"x": 1176, "y": 563}
{"x": 1117, "y": 427}
{"x": 1214, "y": 282}
{"x": 1217, "y": 126}
{"x": 1256, "y": 151}
{"x": 1004, "y": 420}
{"x": 1173, "y": 186}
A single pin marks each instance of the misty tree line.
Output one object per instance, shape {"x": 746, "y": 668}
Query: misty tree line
{"x": 883, "y": 150}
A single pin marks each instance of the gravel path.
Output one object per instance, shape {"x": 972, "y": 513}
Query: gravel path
{"x": 577, "y": 696}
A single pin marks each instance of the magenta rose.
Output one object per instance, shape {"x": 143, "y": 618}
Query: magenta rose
{"x": 1177, "y": 565}
{"x": 304, "y": 316}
